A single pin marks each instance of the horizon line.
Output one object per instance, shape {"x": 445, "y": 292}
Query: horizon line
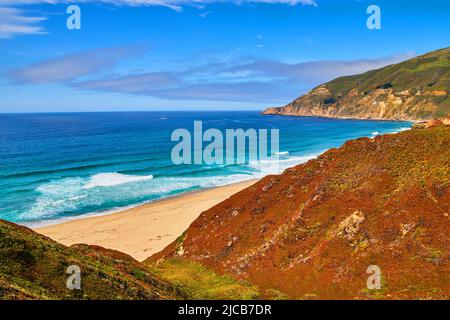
{"x": 136, "y": 111}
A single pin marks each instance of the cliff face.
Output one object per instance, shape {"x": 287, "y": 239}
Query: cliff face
{"x": 313, "y": 231}
{"x": 417, "y": 89}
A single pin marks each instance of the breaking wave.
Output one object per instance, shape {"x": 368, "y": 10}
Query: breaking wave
{"x": 112, "y": 179}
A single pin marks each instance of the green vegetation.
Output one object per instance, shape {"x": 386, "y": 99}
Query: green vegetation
{"x": 276, "y": 295}
{"x": 428, "y": 72}
{"x": 34, "y": 267}
{"x": 416, "y": 89}
{"x": 378, "y": 294}
{"x": 197, "y": 282}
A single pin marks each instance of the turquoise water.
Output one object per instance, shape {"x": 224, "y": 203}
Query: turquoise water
{"x": 55, "y": 166}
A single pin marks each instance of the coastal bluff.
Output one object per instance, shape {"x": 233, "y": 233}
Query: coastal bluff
{"x": 413, "y": 90}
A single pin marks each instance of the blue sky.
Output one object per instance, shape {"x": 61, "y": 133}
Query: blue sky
{"x": 186, "y": 55}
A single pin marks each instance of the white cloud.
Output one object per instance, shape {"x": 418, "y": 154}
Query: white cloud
{"x": 204, "y": 14}
{"x": 72, "y": 66}
{"x": 265, "y": 81}
{"x": 14, "y": 22}
{"x": 238, "y": 79}
{"x": 314, "y": 72}
{"x": 173, "y": 4}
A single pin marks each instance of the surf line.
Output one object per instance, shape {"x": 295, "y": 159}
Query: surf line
{"x": 220, "y": 150}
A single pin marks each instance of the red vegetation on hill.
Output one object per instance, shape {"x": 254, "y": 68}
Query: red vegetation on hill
{"x": 312, "y": 231}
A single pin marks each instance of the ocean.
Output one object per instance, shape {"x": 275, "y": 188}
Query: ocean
{"x": 66, "y": 165}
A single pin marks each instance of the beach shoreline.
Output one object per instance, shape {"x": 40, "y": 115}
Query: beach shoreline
{"x": 145, "y": 229}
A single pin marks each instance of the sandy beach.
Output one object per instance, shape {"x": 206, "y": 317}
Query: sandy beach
{"x": 144, "y": 230}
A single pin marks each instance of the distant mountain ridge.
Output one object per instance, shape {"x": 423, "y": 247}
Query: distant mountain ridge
{"x": 416, "y": 89}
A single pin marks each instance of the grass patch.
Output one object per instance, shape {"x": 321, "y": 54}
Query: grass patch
{"x": 197, "y": 282}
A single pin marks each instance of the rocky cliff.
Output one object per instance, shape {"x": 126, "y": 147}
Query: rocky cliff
{"x": 416, "y": 89}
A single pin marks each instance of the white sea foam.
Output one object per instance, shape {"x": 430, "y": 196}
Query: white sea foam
{"x": 282, "y": 153}
{"x": 61, "y": 196}
{"x": 112, "y": 179}
{"x": 400, "y": 130}
{"x": 45, "y": 208}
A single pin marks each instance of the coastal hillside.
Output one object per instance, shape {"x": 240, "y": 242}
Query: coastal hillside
{"x": 34, "y": 267}
{"x": 313, "y": 231}
{"x": 416, "y": 89}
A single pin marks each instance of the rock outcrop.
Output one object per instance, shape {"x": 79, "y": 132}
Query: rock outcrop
{"x": 417, "y": 89}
